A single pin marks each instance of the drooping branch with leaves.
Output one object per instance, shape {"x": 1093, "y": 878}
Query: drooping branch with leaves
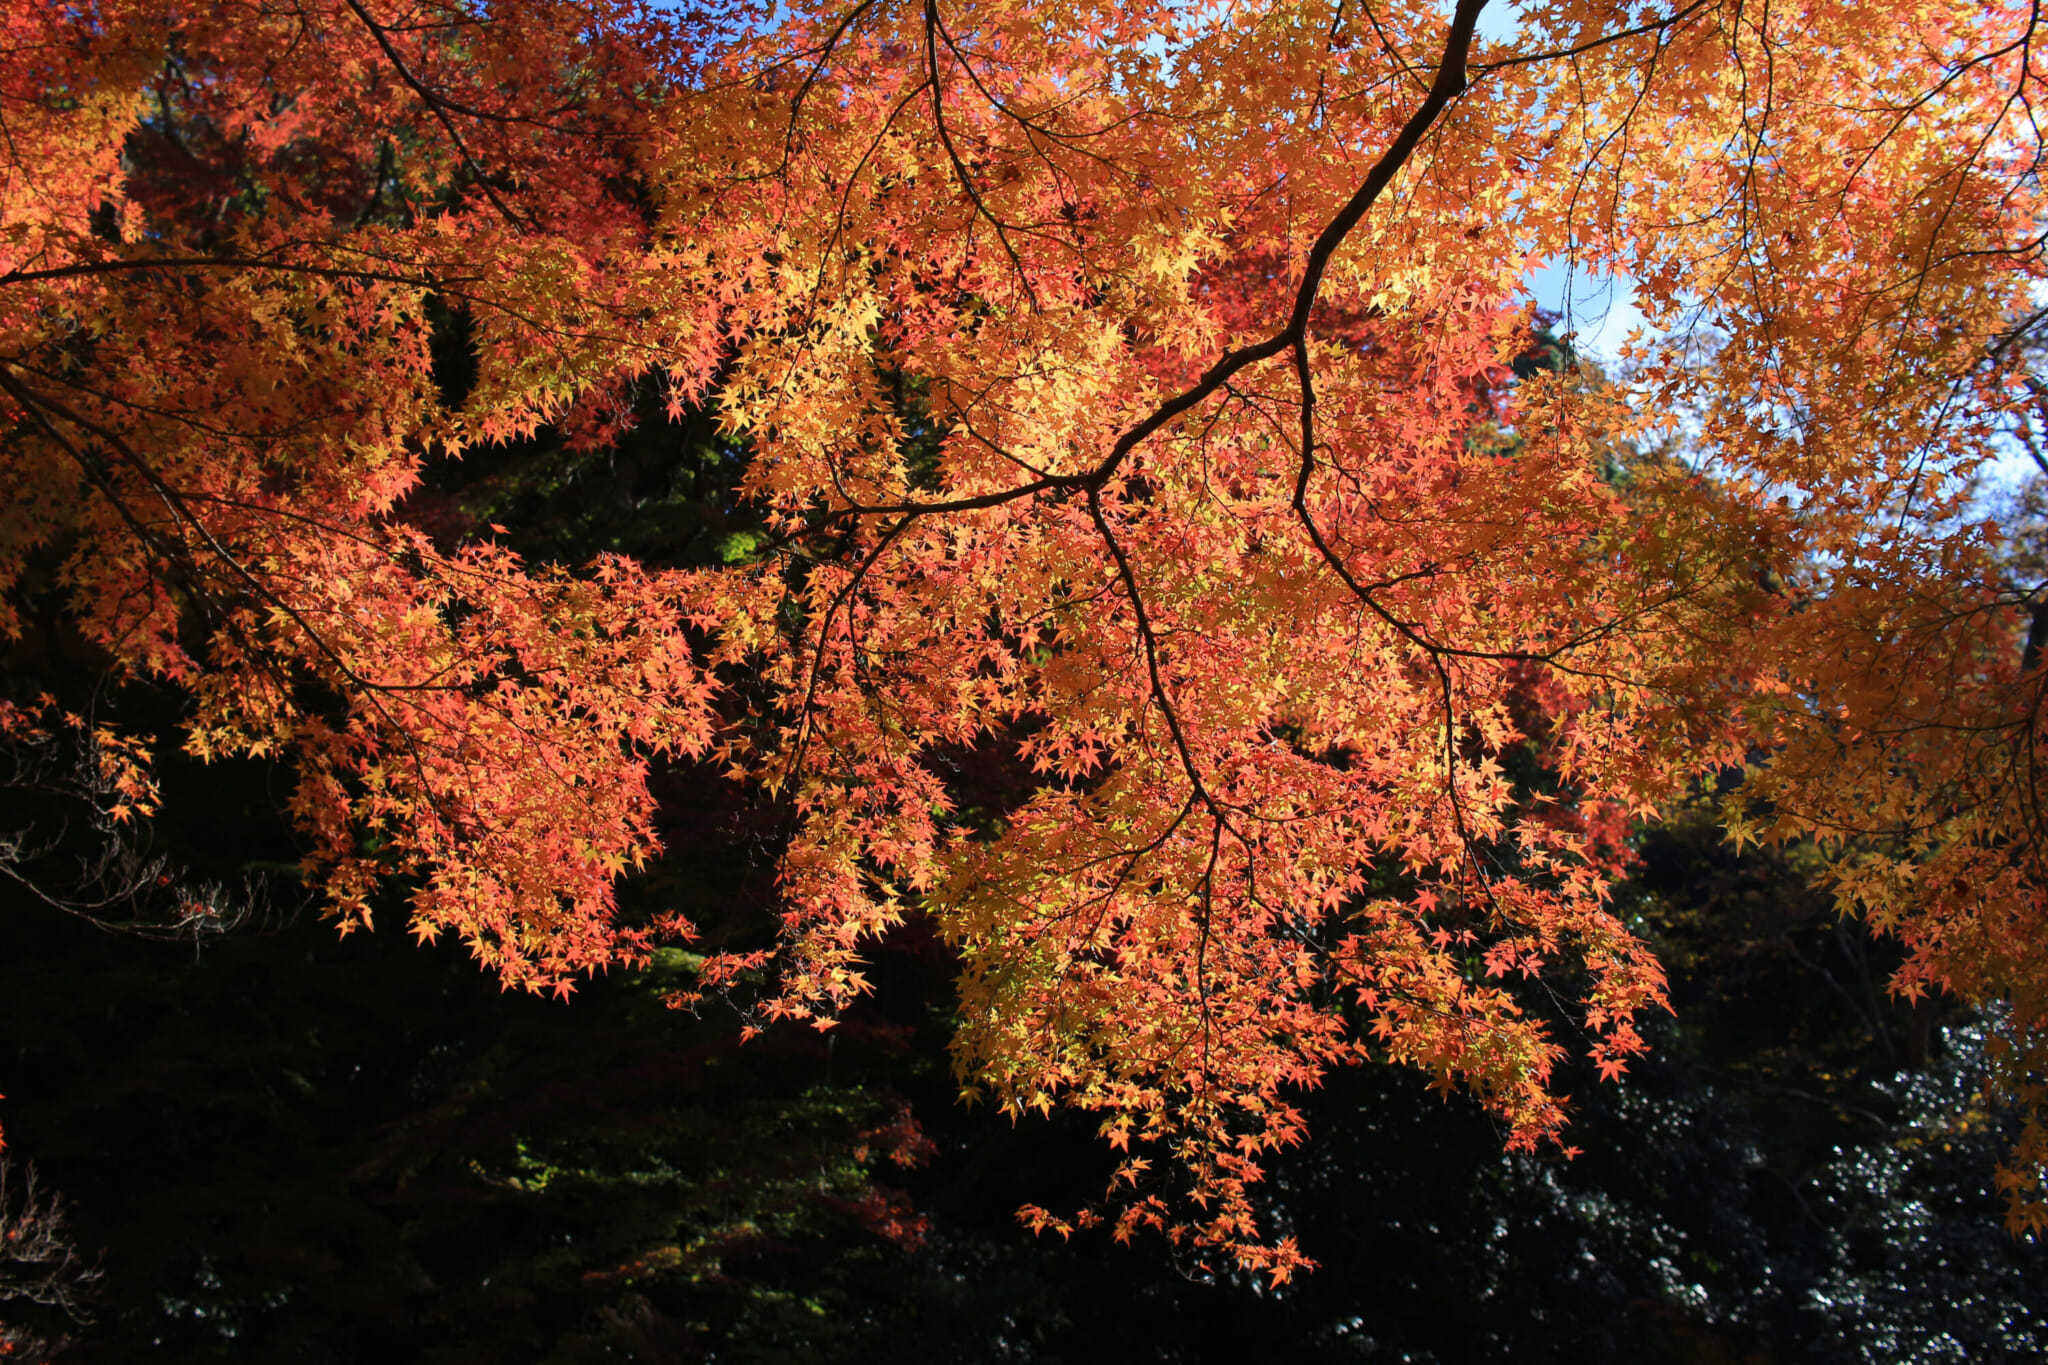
{"x": 1121, "y": 390}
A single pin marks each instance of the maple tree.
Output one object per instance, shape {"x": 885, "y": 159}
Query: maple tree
{"x": 1123, "y": 389}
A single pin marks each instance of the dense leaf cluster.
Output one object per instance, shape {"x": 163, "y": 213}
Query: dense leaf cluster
{"x": 1071, "y": 483}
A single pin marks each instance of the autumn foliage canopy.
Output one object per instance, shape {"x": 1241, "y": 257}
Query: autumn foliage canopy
{"x": 1120, "y": 390}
